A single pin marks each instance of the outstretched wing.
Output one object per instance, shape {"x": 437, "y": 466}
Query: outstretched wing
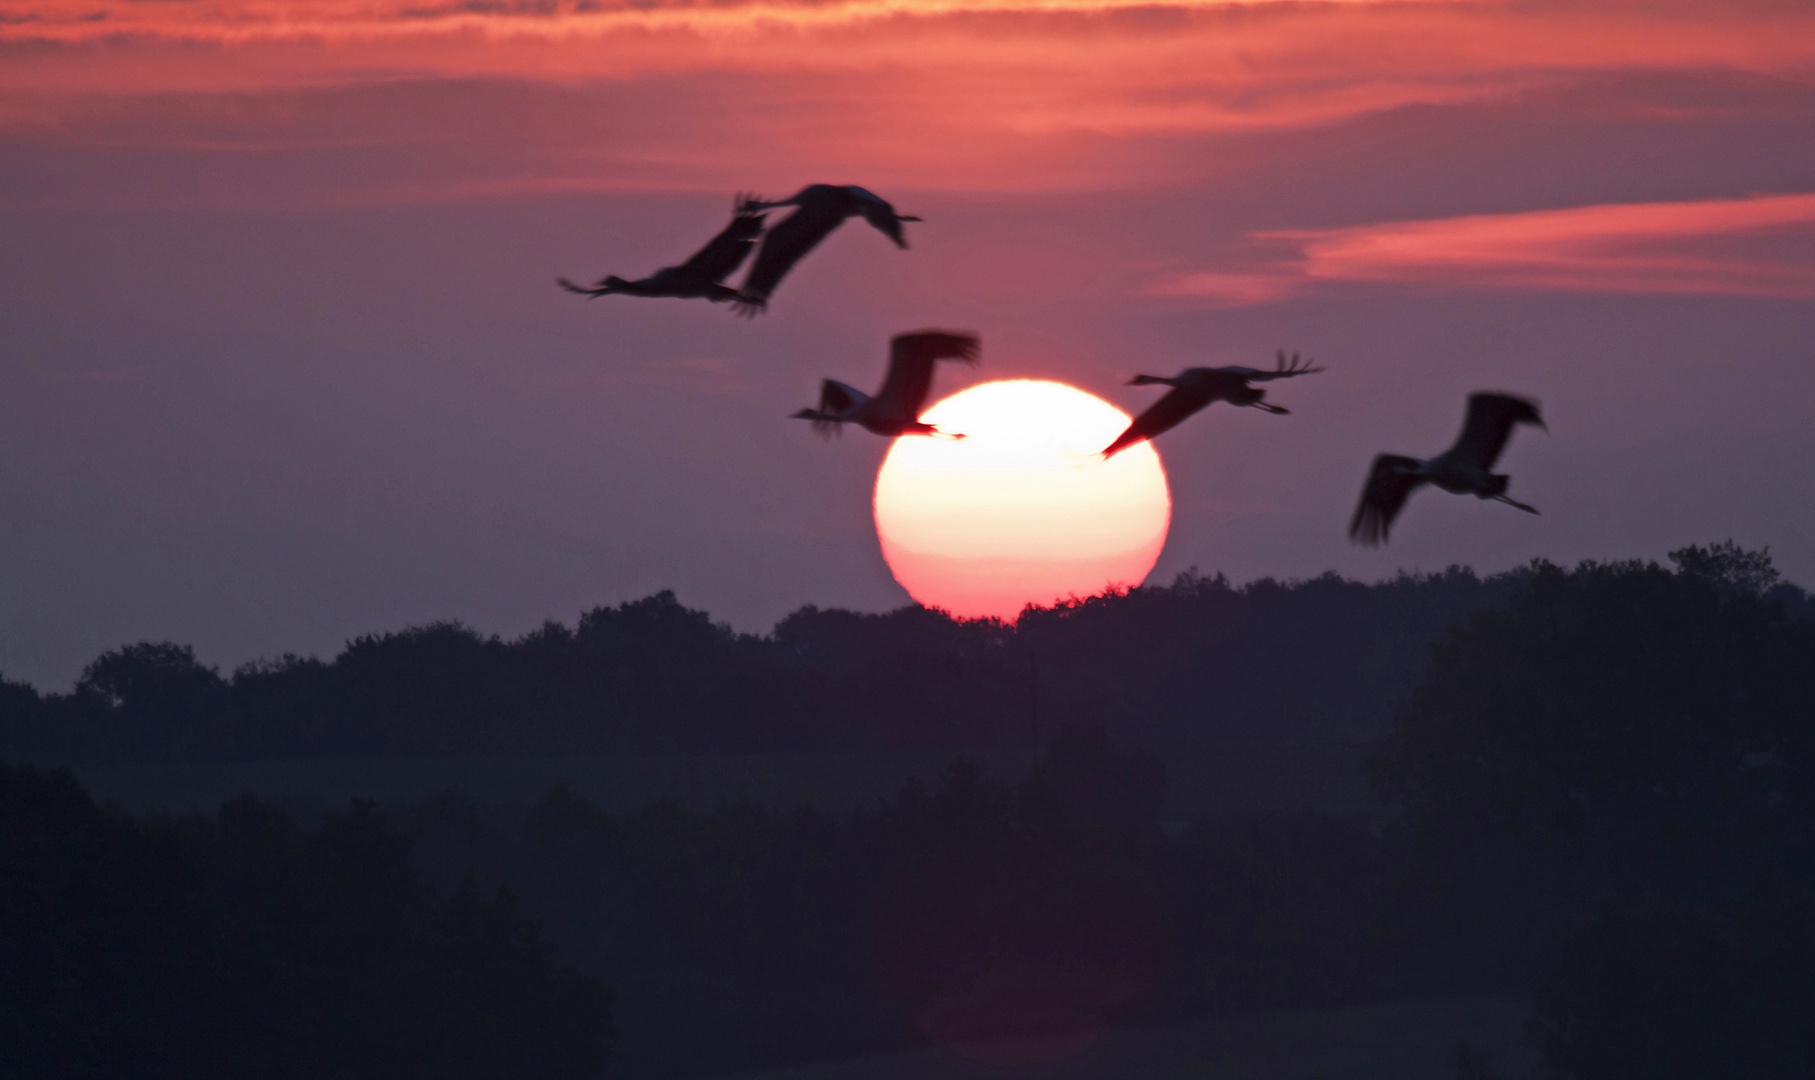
{"x": 582, "y": 290}
{"x": 1162, "y": 415}
{"x": 1390, "y": 482}
{"x": 785, "y": 245}
{"x": 1490, "y": 422}
{"x": 727, "y": 251}
{"x": 911, "y": 360}
{"x": 1283, "y": 368}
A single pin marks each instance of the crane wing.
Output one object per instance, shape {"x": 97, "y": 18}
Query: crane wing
{"x": 582, "y": 290}
{"x": 911, "y": 360}
{"x": 1284, "y": 368}
{"x": 1490, "y": 422}
{"x": 1162, "y": 415}
{"x": 727, "y": 251}
{"x": 785, "y": 245}
{"x": 1390, "y": 483}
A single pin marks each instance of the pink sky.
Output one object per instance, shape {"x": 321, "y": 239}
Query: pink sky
{"x": 281, "y": 360}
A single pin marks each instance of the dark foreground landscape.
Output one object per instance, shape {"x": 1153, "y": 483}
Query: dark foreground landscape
{"x": 1556, "y": 819}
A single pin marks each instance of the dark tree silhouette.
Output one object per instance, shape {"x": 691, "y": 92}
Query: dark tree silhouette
{"x": 1613, "y": 704}
{"x": 653, "y": 676}
{"x": 242, "y": 946}
{"x": 163, "y": 702}
{"x": 1629, "y": 752}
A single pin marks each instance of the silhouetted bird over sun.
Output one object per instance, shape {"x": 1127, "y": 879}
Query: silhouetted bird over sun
{"x": 1463, "y": 469}
{"x": 1194, "y": 388}
{"x": 821, "y": 208}
{"x": 699, "y": 276}
{"x": 895, "y": 410}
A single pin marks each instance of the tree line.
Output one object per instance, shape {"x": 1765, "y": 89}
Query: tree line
{"x": 1199, "y": 661}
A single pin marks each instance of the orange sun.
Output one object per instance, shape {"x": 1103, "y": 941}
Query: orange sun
{"x": 1022, "y": 510}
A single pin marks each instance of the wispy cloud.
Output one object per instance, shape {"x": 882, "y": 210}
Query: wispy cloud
{"x": 237, "y": 20}
{"x": 1658, "y": 248}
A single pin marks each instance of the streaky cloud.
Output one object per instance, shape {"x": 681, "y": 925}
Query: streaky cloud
{"x": 228, "y": 21}
{"x": 1657, "y": 248}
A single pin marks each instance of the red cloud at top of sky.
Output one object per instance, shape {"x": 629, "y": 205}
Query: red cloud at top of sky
{"x": 244, "y": 19}
{"x": 977, "y": 95}
{"x": 241, "y": 20}
{"x": 1258, "y": 47}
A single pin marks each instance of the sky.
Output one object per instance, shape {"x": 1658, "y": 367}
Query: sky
{"x": 282, "y": 361}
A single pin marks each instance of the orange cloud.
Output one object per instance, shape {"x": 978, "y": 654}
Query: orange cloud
{"x": 1640, "y": 248}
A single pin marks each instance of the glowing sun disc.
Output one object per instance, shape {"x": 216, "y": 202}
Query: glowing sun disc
{"x": 1022, "y": 510}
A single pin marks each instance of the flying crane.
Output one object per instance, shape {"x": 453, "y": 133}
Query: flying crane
{"x": 895, "y": 410}
{"x": 1195, "y": 388}
{"x": 820, "y": 208}
{"x": 700, "y": 276}
{"x": 1463, "y": 469}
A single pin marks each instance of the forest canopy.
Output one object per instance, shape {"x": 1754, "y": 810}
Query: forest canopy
{"x": 1200, "y": 661}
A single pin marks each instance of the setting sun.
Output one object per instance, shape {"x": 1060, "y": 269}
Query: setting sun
{"x": 1022, "y": 510}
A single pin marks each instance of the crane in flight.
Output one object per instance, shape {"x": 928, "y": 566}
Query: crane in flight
{"x": 820, "y": 208}
{"x": 1194, "y": 388}
{"x": 895, "y": 410}
{"x": 700, "y": 276}
{"x": 1463, "y": 469}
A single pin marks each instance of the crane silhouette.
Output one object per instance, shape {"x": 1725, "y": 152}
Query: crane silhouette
{"x": 1194, "y": 388}
{"x": 700, "y": 276}
{"x": 895, "y": 410}
{"x": 820, "y": 208}
{"x": 1463, "y": 469}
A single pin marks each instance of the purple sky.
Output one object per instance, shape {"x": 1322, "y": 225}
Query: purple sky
{"x": 281, "y": 360}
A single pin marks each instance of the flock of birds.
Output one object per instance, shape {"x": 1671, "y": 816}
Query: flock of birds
{"x": 1466, "y": 468}
{"x": 818, "y": 209}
